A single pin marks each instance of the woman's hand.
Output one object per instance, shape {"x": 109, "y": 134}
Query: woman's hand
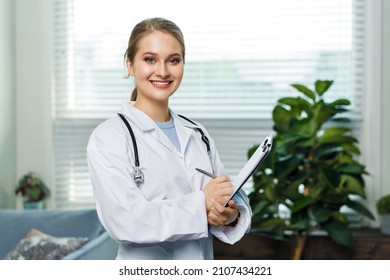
{"x": 218, "y": 189}
{"x": 220, "y": 215}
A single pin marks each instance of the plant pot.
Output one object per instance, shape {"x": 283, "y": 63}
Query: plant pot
{"x": 385, "y": 223}
{"x": 33, "y": 205}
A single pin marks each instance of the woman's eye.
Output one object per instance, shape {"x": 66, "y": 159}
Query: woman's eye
{"x": 149, "y": 59}
{"x": 174, "y": 60}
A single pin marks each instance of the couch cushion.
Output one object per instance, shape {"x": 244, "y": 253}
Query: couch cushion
{"x": 15, "y": 224}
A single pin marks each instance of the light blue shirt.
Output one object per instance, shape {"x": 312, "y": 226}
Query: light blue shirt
{"x": 170, "y": 131}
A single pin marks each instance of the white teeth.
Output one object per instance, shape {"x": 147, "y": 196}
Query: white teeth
{"x": 160, "y": 83}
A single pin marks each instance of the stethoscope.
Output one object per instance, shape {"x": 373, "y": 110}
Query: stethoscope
{"x": 138, "y": 175}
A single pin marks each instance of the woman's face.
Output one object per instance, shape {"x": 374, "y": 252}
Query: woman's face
{"x": 157, "y": 67}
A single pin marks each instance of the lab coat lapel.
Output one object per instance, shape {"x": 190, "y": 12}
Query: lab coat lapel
{"x": 163, "y": 139}
{"x": 147, "y": 125}
{"x": 184, "y": 134}
{"x": 184, "y": 131}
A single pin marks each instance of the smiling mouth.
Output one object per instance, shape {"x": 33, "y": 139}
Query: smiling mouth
{"x": 161, "y": 83}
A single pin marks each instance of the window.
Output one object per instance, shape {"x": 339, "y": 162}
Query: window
{"x": 241, "y": 56}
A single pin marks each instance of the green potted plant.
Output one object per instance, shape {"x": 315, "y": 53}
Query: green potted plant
{"x": 311, "y": 172}
{"x": 33, "y": 190}
{"x": 383, "y": 210}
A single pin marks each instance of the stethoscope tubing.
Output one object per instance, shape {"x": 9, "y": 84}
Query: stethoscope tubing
{"x": 138, "y": 175}
{"x": 132, "y": 138}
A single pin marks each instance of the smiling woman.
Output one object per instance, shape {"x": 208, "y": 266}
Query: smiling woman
{"x": 160, "y": 210}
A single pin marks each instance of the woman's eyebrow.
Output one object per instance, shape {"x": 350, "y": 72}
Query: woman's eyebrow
{"x": 149, "y": 53}
{"x": 156, "y": 54}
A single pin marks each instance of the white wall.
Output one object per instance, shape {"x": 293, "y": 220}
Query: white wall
{"x": 7, "y": 106}
{"x": 376, "y": 129}
{"x": 385, "y": 124}
{"x": 33, "y": 88}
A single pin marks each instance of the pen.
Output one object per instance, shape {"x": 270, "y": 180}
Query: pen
{"x": 206, "y": 173}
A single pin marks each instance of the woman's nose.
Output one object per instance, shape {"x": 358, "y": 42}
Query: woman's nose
{"x": 162, "y": 70}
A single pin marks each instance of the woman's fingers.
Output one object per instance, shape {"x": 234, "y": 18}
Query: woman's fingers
{"x": 219, "y": 215}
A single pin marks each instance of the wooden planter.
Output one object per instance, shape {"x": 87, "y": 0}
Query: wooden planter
{"x": 368, "y": 243}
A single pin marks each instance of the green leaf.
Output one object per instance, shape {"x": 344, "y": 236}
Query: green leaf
{"x": 330, "y": 176}
{"x": 333, "y": 131}
{"x": 269, "y": 192}
{"x": 351, "y": 148}
{"x": 340, "y": 102}
{"x": 341, "y": 217}
{"x": 352, "y": 168}
{"x": 338, "y": 231}
{"x": 360, "y": 208}
{"x": 259, "y": 207}
{"x": 34, "y": 192}
{"x": 301, "y": 203}
{"x": 307, "y": 142}
{"x": 290, "y": 101}
{"x": 337, "y": 139}
{"x": 299, "y": 221}
{"x": 316, "y": 192}
{"x": 305, "y": 127}
{"x": 327, "y": 150}
{"x": 294, "y": 104}
{"x": 322, "y": 86}
{"x": 306, "y": 91}
{"x": 290, "y": 137}
{"x": 281, "y": 114}
{"x": 298, "y": 178}
{"x": 343, "y": 120}
{"x": 339, "y": 110}
{"x": 282, "y": 118}
{"x": 335, "y": 198}
{"x": 350, "y": 185}
{"x": 320, "y": 214}
{"x": 345, "y": 158}
{"x": 271, "y": 222}
{"x": 286, "y": 166}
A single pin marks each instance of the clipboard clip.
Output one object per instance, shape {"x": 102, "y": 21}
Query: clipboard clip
{"x": 266, "y": 145}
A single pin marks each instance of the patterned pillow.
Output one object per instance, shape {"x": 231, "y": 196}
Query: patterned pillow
{"x": 40, "y": 246}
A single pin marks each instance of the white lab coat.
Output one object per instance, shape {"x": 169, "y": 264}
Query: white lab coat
{"x": 164, "y": 217}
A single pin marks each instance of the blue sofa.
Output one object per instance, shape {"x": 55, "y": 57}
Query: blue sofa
{"x": 15, "y": 224}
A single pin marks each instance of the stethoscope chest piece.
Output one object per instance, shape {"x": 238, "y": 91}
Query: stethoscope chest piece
{"x": 138, "y": 175}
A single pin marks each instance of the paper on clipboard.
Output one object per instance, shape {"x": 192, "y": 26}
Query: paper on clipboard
{"x": 256, "y": 159}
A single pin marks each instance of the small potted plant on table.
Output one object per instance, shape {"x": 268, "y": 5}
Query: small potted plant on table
{"x": 33, "y": 190}
{"x": 383, "y": 209}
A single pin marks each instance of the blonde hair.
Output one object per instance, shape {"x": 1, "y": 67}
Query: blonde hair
{"x": 144, "y": 28}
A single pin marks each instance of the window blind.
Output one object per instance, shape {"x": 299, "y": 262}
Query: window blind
{"x": 241, "y": 56}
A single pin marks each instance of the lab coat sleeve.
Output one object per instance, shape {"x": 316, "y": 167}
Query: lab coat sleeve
{"x": 227, "y": 234}
{"x": 231, "y": 235}
{"x": 123, "y": 210}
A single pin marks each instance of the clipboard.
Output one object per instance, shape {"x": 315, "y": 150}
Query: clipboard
{"x": 255, "y": 160}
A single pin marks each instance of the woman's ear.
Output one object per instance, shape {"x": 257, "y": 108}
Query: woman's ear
{"x": 130, "y": 67}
